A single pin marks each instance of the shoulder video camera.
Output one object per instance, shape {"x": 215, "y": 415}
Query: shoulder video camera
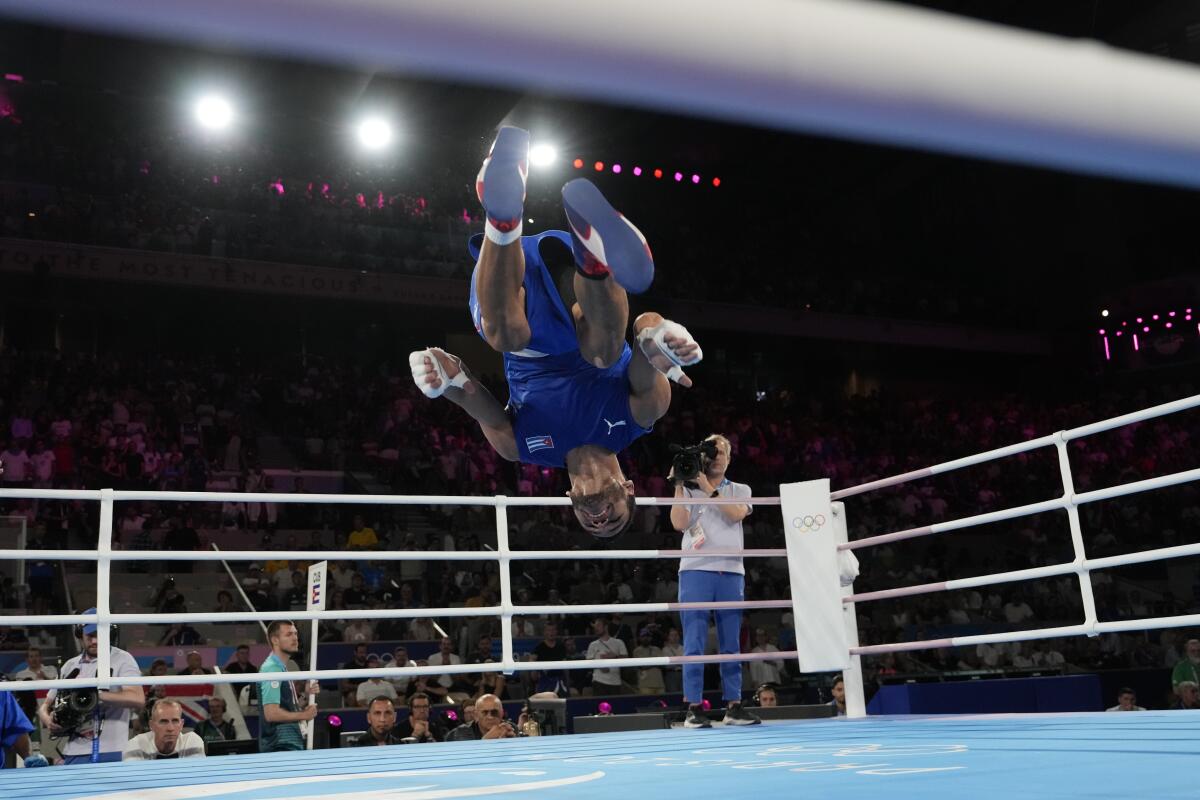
{"x": 688, "y": 462}
{"x": 73, "y": 708}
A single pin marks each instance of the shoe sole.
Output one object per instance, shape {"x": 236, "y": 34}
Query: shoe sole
{"x": 599, "y": 233}
{"x": 743, "y": 722}
{"x": 503, "y": 178}
{"x": 696, "y": 727}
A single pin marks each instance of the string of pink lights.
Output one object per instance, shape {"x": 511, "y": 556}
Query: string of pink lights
{"x": 1171, "y": 321}
{"x": 658, "y": 173}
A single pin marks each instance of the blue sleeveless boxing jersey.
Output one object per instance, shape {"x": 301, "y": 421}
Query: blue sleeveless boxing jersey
{"x": 557, "y": 400}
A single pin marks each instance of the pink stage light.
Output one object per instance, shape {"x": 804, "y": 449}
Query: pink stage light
{"x": 1118, "y": 333}
{"x": 678, "y": 176}
{"x": 605, "y": 707}
{"x": 1107, "y": 353}
{"x": 1135, "y": 342}
{"x": 1140, "y": 320}
{"x": 617, "y": 169}
{"x": 14, "y": 77}
{"x": 696, "y": 179}
{"x": 1168, "y": 324}
{"x": 1188, "y": 318}
{"x": 1155, "y": 317}
{"x": 637, "y": 171}
{"x": 1170, "y": 313}
{"x": 1102, "y": 331}
{"x": 1146, "y": 329}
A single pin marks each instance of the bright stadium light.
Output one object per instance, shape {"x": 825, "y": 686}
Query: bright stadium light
{"x": 214, "y": 112}
{"x": 543, "y": 155}
{"x": 374, "y": 133}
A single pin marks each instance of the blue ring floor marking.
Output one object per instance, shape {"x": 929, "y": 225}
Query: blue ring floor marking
{"x": 1103, "y": 755}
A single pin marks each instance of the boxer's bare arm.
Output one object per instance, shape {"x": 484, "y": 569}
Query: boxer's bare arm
{"x": 476, "y": 400}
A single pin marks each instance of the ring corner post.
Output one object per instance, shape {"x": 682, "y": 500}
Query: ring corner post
{"x": 852, "y": 678}
{"x": 809, "y": 529}
{"x": 103, "y": 586}
{"x": 506, "y": 604}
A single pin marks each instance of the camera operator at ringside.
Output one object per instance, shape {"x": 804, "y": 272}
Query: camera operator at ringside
{"x": 699, "y": 471}
{"x": 96, "y": 724}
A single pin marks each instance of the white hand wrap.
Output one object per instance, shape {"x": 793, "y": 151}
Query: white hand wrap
{"x": 653, "y": 341}
{"x": 416, "y": 360}
{"x": 847, "y": 566}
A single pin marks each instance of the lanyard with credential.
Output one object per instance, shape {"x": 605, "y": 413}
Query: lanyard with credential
{"x": 96, "y": 734}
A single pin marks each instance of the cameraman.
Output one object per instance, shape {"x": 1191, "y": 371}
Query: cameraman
{"x": 110, "y": 721}
{"x": 715, "y": 579}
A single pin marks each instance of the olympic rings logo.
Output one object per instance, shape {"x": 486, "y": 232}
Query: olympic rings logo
{"x": 809, "y": 524}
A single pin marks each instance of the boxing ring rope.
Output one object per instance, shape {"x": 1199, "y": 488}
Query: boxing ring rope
{"x": 104, "y": 555}
{"x": 1081, "y": 565}
{"x": 862, "y": 70}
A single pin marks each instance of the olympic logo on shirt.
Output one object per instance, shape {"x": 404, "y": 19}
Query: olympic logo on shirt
{"x": 809, "y": 524}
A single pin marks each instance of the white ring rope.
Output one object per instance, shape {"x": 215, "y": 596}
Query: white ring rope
{"x": 871, "y": 71}
{"x": 1081, "y": 566}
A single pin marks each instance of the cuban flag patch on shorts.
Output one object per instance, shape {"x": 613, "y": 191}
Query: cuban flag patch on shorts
{"x": 535, "y": 443}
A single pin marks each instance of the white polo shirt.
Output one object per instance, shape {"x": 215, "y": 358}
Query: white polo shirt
{"x": 114, "y": 720}
{"x": 708, "y": 528}
{"x": 142, "y": 748}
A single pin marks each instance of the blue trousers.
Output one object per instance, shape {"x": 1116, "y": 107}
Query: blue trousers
{"x": 702, "y": 586}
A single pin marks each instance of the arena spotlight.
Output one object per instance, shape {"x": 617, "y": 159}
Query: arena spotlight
{"x": 213, "y": 112}
{"x": 637, "y": 171}
{"x": 543, "y": 155}
{"x": 598, "y": 166}
{"x": 1104, "y": 313}
{"x": 374, "y": 133}
{"x": 578, "y": 163}
{"x": 616, "y": 168}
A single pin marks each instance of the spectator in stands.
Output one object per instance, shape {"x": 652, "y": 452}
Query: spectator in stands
{"x": 363, "y": 536}
{"x": 400, "y": 659}
{"x": 765, "y": 671}
{"x": 381, "y": 723}
{"x": 358, "y": 595}
{"x": 606, "y": 680}
{"x": 180, "y": 634}
{"x": 766, "y": 697}
{"x": 296, "y": 596}
{"x": 1126, "y": 701}
{"x": 257, "y": 587}
{"x": 422, "y": 630}
{"x": 418, "y": 725}
{"x": 15, "y": 466}
{"x": 224, "y": 603}
{"x": 550, "y": 648}
{"x": 1187, "y": 695}
{"x": 358, "y": 630}
{"x": 241, "y": 665}
{"x": 349, "y": 686}
{"x": 673, "y": 676}
{"x": 181, "y": 537}
{"x": 1188, "y": 667}
{"x": 489, "y": 724}
{"x": 35, "y": 669}
{"x": 216, "y": 728}
{"x": 457, "y": 683}
{"x": 374, "y": 687}
{"x": 838, "y": 690}
{"x": 649, "y": 679}
{"x": 166, "y": 737}
{"x": 195, "y": 665}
